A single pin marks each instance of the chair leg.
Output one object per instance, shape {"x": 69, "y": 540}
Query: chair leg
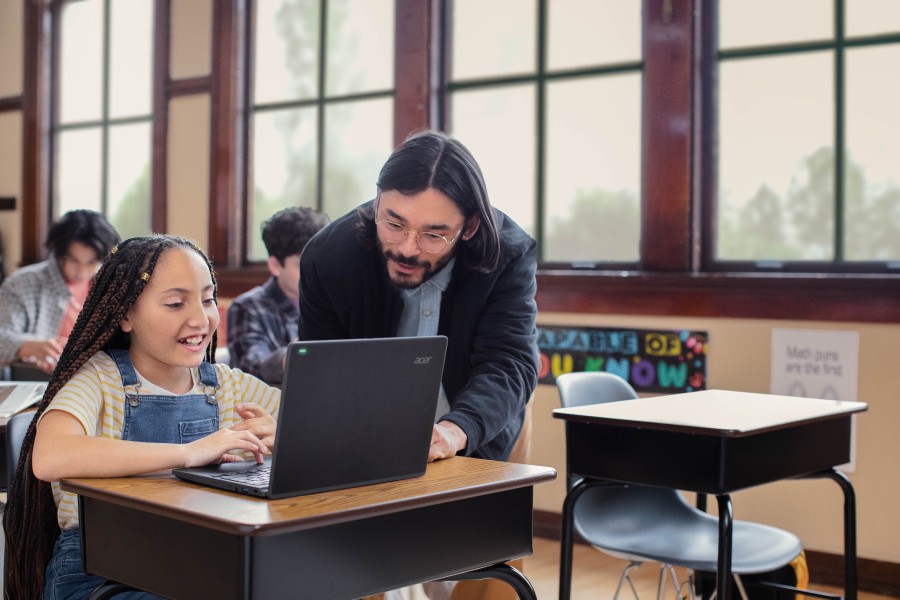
{"x": 661, "y": 582}
{"x": 674, "y": 577}
{"x": 740, "y": 586}
{"x": 625, "y": 576}
{"x": 689, "y": 583}
{"x": 667, "y": 569}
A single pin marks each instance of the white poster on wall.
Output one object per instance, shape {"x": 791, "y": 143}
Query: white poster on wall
{"x": 817, "y": 363}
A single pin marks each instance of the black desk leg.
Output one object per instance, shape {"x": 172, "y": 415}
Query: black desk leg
{"x": 566, "y": 540}
{"x": 505, "y": 573}
{"x": 850, "y": 581}
{"x": 567, "y": 535}
{"x": 726, "y": 522}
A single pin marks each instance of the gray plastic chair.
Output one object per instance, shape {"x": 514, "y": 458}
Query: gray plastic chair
{"x": 642, "y": 523}
{"x": 16, "y": 428}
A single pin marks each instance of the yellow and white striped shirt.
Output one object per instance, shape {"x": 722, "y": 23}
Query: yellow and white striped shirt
{"x": 96, "y": 398}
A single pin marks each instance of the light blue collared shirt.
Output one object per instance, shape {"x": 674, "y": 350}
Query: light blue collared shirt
{"x": 421, "y": 313}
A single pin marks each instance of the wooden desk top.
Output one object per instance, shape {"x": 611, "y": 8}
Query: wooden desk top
{"x": 715, "y": 412}
{"x": 446, "y": 480}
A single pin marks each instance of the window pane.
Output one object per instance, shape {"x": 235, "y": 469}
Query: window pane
{"x": 593, "y": 32}
{"x": 78, "y": 172}
{"x": 872, "y": 182}
{"x": 592, "y": 207}
{"x": 359, "y": 138}
{"x": 284, "y": 168}
{"x": 494, "y": 126}
{"x": 129, "y": 179}
{"x": 360, "y": 50}
{"x": 867, "y": 17}
{"x": 493, "y": 38}
{"x": 286, "y": 50}
{"x": 130, "y": 58}
{"x": 81, "y": 61}
{"x": 776, "y": 159}
{"x": 762, "y": 22}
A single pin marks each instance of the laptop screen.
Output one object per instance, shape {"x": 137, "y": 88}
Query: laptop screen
{"x": 355, "y": 412}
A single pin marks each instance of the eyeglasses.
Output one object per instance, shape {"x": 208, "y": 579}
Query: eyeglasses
{"x": 433, "y": 243}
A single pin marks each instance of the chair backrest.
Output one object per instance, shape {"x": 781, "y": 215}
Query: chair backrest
{"x": 603, "y": 514}
{"x": 592, "y": 387}
{"x": 16, "y": 428}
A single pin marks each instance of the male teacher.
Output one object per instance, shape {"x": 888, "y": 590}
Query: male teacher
{"x": 429, "y": 255}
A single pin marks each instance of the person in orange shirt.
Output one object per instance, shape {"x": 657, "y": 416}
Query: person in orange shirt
{"x": 40, "y": 303}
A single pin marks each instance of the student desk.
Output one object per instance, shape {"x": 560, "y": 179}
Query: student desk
{"x": 187, "y": 541}
{"x": 711, "y": 442}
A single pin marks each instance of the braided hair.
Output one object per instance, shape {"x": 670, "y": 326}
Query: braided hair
{"x": 30, "y": 520}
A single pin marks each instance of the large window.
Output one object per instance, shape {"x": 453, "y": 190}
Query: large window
{"x": 103, "y": 118}
{"x": 322, "y": 105}
{"x": 547, "y": 95}
{"x": 808, "y": 136}
{"x": 666, "y": 154}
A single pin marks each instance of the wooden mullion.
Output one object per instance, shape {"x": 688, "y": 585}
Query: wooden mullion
{"x": 160, "y": 145}
{"x": 35, "y": 127}
{"x": 414, "y": 66}
{"x": 227, "y": 165}
{"x": 667, "y": 136}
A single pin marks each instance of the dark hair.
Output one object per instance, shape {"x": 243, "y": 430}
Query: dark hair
{"x": 286, "y": 232}
{"x": 29, "y": 519}
{"x": 82, "y": 225}
{"x": 431, "y": 159}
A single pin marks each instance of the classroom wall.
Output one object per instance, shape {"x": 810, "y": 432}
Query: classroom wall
{"x": 739, "y": 359}
{"x": 11, "y": 129}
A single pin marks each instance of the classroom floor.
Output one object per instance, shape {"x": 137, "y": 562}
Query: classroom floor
{"x": 595, "y": 575}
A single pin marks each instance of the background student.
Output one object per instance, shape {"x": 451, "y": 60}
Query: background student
{"x": 263, "y": 321}
{"x": 148, "y": 332}
{"x": 39, "y": 303}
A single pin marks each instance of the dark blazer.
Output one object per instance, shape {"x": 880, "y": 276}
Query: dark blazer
{"x": 489, "y": 319}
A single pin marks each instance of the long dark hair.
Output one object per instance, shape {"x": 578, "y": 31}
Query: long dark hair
{"x": 430, "y": 159}
{"x": 30, "y": 520}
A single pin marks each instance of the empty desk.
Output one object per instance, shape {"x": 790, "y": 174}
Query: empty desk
{"x": 713, "y": 442}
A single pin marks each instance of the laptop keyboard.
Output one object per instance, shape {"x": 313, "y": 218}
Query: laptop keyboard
{"x": 256, "y": 477}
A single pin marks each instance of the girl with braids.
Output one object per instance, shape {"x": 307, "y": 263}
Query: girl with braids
{"x": 135, "y": 391}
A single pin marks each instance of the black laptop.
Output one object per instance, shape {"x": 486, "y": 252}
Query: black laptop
{"x": 353, "y": 412}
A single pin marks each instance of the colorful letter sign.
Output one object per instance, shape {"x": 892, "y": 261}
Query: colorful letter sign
{"x": 650, "y": 360}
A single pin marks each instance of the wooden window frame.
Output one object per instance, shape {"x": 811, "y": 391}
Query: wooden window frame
{"x": 678, "y": 145}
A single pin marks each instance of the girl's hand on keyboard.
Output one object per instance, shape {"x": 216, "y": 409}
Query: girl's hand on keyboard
{"x": 257, "y": 421}
{"x": 214, "y": 448}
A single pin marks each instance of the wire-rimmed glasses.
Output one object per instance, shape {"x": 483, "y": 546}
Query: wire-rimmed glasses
{"x": 428, "y": 241}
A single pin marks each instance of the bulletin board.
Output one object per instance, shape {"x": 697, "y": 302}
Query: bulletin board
{"x": 651, "y": 360}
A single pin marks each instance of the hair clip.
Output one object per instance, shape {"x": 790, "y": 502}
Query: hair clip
{"x": 114, "y": 249}
{"x": 145, "y": 276}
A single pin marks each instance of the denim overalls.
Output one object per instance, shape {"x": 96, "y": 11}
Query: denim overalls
{"x": 148, "y": 418}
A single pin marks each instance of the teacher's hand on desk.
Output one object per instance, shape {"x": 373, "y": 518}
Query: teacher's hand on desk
{"x": 447, "y": 438}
